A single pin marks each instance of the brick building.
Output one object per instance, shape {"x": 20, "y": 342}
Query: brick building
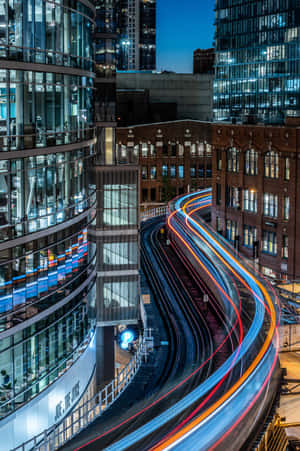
{"x": 253, "y": 170}
{"x": 174, "y": 157}
{"x": 256, "y": 194}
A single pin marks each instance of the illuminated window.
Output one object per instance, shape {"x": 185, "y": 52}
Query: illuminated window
{"x": 285, "y": 246}
{"x": 269, "y": 243}
{"x": 232, "y": 160}
{"x": 153, "y": 172}
{"x": 287, "y": 169}
{"x": 219, "y": 160}
{"x": 231, "y": 230}
{"x": 232, "y": 197}
{"x": 250, "y": 235}
{"x": 144, "y": 150}
{"x": 286, "y": 208}
{"x": 144, "y": 172}
{"x": 250, "y": 200}
{"x": 251, "y": 158}
{"x": 109, "y": 145}
{"x": 272, "y": 165}
{"x": 270, "y": 205}
{"x": 181, "y": 172}
{"x": 165, "y": 170}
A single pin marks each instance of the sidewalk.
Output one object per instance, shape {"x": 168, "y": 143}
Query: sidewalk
{"x": 290, "y": 404}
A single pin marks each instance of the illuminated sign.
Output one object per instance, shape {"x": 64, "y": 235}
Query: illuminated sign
{"x": 126, "y": 337}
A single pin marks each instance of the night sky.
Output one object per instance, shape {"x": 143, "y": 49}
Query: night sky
{"x": 182, "y": 27}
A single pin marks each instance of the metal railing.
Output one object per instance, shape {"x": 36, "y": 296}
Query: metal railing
{"x": 55, "y": 437}
{"x": 153, "y": 212}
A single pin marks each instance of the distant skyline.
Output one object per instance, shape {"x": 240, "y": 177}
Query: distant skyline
{"x": 182, "y": 28}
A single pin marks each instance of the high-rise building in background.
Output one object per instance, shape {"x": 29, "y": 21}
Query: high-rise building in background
{"x": 47, "y": 265}
{"x": 136, "y": 26}
{"x": 203, "y": 61}
{"x": 116, "y": 182}
{"x": 257, "y": 60}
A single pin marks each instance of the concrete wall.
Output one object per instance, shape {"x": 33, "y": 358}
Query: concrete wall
{"x": 192, "y": 93}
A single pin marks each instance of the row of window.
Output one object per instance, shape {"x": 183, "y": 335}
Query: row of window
{"x": 271, "y": 163}
{"x": 174, "y": 172}
{"x": 32, "y": 359}
{"x": 120, "y": 299}
{"x": 46, "y": 32}
{"x": 269, "y": 239}
{"x": 42, "y": 191}
{"x": 120, "y": 205}
{"x": 31, "y": 279}
{"x": 145, "y": 150}
{"x": 43, "y": 109}
{"x": 250, "y": 196}
{"x": 257, "y": 53}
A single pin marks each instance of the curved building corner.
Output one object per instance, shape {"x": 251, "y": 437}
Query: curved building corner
{"x": 47, "y": 264}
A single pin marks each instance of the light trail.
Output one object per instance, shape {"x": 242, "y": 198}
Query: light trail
{"x": 178, "y": 434}
{"x": 193, "y": 235}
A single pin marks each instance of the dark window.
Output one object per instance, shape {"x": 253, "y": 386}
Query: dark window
{"x": 201, "y": 170}
{"x": 144, "y": 195}
{"x": 208, "y": 171}
{"x": 193, "y": 172}
{"x": 153, "y": 194}
{"x": 218, "y": 193}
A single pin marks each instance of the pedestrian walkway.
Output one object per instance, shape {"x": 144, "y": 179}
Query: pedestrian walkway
{"x": 122, "y": 358}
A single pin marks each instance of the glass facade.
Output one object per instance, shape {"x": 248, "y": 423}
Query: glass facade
{"x": 47, "y": 32}
{"x": 34, "y": 358}
{"x": 136, "y": 26}
{"x": 120, "y": 205}
{"x": 147, "y": 43}
{"x": 41, "y": 191}
{"x": 116, "y": 180}
{"x": 47, "y": 137}
{"x": 39, "y": 109}
{"x": 257, "y": 60}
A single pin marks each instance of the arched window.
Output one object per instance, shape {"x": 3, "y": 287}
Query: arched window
{"x": 272, "y": 165}
{"x": 251, "y": 159}
{"x": 233, "y": 160}
{"x": 144, "y": 147}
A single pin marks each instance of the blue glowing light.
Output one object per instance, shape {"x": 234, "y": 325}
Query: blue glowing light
{"x": 127, "y": 336}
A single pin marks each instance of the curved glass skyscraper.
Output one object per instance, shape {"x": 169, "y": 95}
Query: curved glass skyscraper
{"x": 47, "y": 265}
{"x": 257, "y": 60}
